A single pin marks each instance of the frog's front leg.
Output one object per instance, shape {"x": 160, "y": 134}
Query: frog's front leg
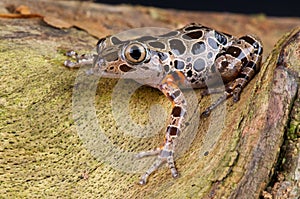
{"x": 165, "y": 153}
{"x": 80, "y": 60}
{"x": 237, "y": 65}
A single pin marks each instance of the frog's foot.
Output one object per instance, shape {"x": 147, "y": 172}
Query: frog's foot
{"x": 81, "y": 60}
{"x": 234, "y": 90}
{"x": 221, "y": 99}
{"x": 164, "y": 155}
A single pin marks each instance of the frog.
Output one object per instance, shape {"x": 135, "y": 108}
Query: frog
{"x": 184, "y": 58}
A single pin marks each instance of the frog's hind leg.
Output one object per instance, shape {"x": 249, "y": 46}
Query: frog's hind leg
{"x": 242, "y": 58}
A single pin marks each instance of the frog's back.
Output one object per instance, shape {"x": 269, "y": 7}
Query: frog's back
{"x": 191, "y": 50}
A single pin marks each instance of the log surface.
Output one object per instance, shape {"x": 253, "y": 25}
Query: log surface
{"x": 255, "y": 153}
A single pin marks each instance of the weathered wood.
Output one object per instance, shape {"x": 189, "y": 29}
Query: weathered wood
{"x": 285, "y": 97}
{"x": 42, "y": 155}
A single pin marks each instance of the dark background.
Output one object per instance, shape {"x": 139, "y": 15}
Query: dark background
{"x": 268, "y": 7}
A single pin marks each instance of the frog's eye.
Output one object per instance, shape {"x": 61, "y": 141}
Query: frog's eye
{"x": 135, "y": 53}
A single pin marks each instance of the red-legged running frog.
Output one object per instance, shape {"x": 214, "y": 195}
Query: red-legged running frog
{"x": 183, "y": 58}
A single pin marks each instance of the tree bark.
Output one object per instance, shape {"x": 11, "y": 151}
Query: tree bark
{"x": 253, "y": 152}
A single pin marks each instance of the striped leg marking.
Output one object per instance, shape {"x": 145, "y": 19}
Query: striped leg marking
{"x": 166, "y": 152}
{"x": 237, "y": 64}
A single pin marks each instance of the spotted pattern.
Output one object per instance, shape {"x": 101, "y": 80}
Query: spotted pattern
{"x": 178, "y": 64}
{"x": 177, "y": 46}
{"x": 146, "y": 38}
{"x": 157, "y": 44}
{"x": 193, "y": 35}
{"x": 212, "y": 43}
{"x": 187, "y": 57}
{"x": 198, "y": 48}
{"x": 170, "y": 34}
{"x": 221, "y": 38}
{"x": 162, "y": 56}
{"x": 199, "y": 65}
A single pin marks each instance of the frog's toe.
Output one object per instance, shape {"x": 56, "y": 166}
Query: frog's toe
{"x": 174, "y": 173}
{"x": 80, "y": 60}
{"x": 158, "y": 162}
{"x": 148, "y": 153}
{"x": 72, "y": 53}
{"x": 164, "y": 155}
{"x": 236, "y": 94}
{"x": 205, "y": 113}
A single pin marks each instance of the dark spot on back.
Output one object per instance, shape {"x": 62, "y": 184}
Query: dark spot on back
{"x": 199, "y": 65}
{"x": 146, "y": 38}
{"x": 220, "y": 38}
{"x": 193, "y": 27}
{"x": 124, "y": 68}
{"x": 198, "y": 48}
{"x": 162, "y": 56}
{"x": 178, "y": 64}
{"x": 213, "y": 43}
{"x": 209, "y": 55}
{"x": 177, "y": 46}
{"x": 169, "y": 34}
{"x": 193, "y": 35}
{"x": 189, "y": 73}
{"x": 157, "y": 44}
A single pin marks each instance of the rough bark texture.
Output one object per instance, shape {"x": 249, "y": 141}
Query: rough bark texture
{"x": 41, "y": 153}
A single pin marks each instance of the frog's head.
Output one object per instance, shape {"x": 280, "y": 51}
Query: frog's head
{"x": 133, "y": 59}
